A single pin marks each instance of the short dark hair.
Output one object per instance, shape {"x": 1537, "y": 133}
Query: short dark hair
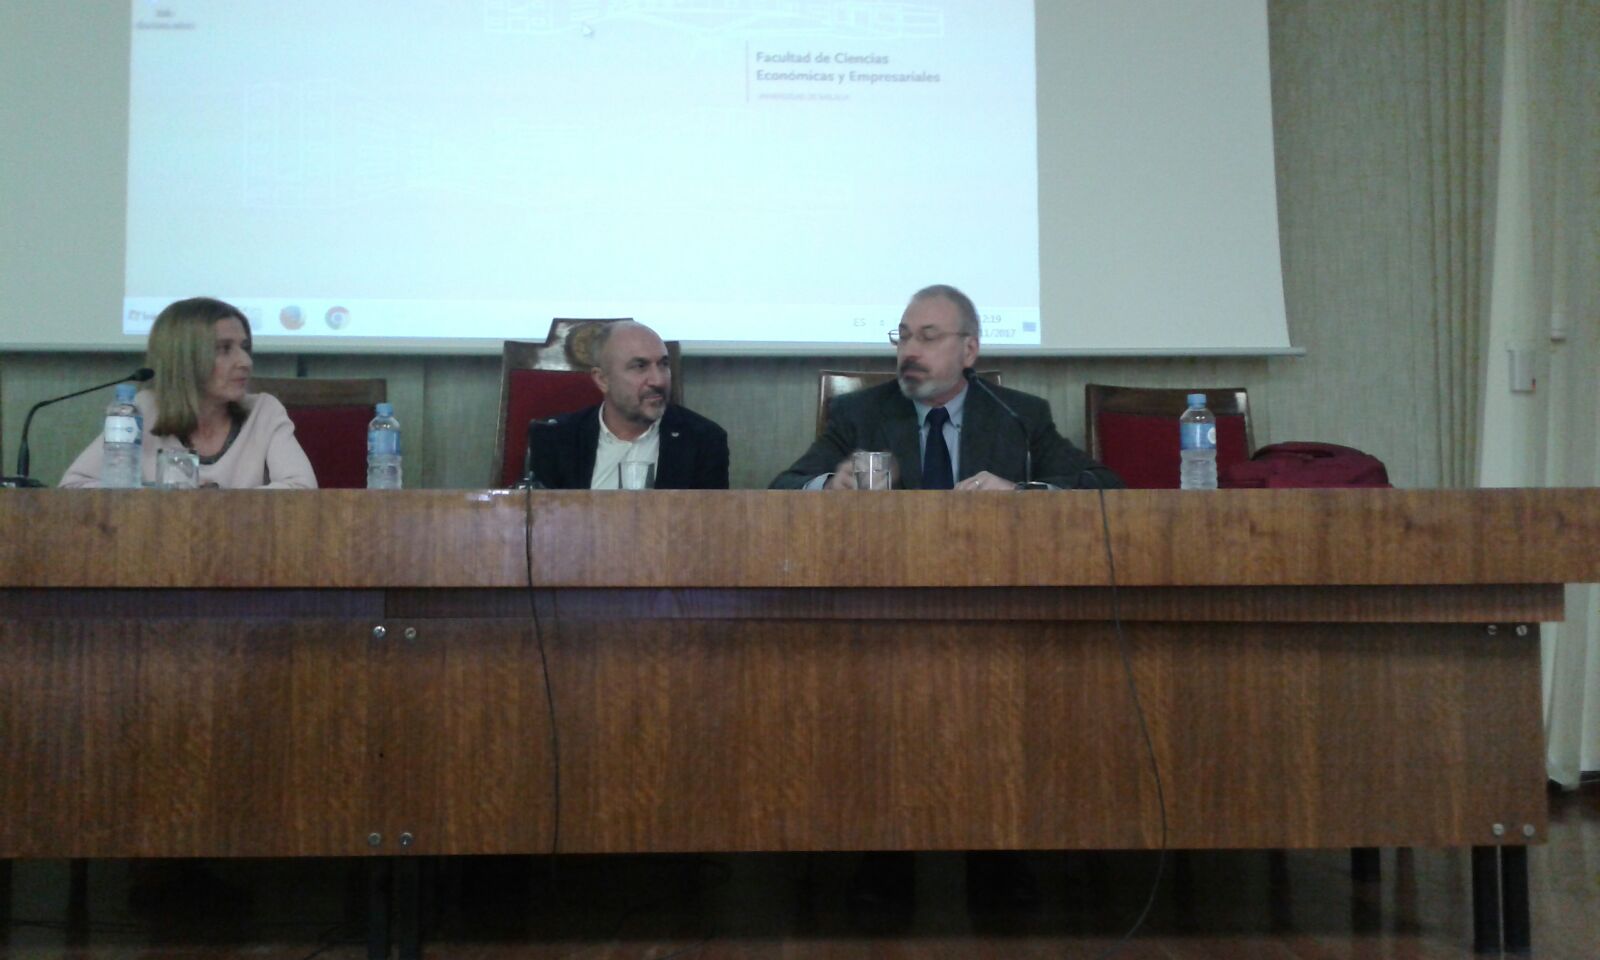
{"x": 969, "y": 313}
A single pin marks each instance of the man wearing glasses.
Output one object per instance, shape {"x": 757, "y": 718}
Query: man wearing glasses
{"x": 945, "y": 431}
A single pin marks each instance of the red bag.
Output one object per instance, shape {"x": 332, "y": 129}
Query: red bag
{"x": 1307, "y": 465}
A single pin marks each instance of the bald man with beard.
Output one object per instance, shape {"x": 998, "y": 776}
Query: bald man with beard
{"x": 635, "y": 422}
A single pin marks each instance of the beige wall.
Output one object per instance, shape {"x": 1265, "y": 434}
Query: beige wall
{"x": 1354, "y": 183}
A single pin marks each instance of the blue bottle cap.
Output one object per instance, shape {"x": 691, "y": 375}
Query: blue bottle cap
{"x": 125, "y": 392}
{"x": 1196, "y": 400}
{"x": 385, "y": 409}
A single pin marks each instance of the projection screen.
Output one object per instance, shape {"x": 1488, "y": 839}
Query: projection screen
{"x": 745, "y": 175}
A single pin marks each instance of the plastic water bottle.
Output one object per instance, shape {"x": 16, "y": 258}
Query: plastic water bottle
{"x": 123, "y": 465}
{"x": 1197, "y": 445}
{"x": 383, "y": 450}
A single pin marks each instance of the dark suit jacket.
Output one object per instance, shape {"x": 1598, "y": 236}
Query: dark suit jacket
{"x": 881, "y": 418}
{"x": 693, "y": 454}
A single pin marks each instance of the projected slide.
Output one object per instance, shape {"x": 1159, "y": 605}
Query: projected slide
{"x": 726, "y": 170}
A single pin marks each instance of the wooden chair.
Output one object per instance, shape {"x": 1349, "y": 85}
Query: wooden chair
{"x": 1134, "y": 430}
{"x": 540, "y": 380}
{"x": 833, "y": 383}
{"x": 330, "y": 420}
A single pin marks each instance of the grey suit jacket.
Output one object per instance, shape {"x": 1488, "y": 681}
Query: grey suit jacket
{"x": 881, "y": 418}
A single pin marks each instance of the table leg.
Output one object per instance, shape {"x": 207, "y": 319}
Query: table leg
{"x": 1366, "y": 864}
{"x": 1514, "y": 900}
{"x": 408, "y": 908}
{"x": 1486, "y": 899}
{"x": 380, "y": 890}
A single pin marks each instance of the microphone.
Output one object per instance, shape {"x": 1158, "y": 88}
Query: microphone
{"x": 529, "y": 481}
{"x": 22, "y": 479}
{"x": 1027, "y": 448}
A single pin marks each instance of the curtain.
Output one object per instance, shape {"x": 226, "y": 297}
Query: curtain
{"x": 1546, "y": 304}
{"x": 1461, "y": 57}
{"x": 1561, "y": 41}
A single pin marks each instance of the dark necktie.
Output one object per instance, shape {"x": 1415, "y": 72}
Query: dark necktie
{"x": 936, "y": 472}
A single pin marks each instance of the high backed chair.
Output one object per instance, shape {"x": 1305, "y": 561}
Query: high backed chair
{"x": 1134, "y": 430}
{"x": 542, "y": 380}
{"x": 833, "y": 383}
{"x": 330, "y": 420}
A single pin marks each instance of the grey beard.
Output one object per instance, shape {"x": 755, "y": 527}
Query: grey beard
{"x": 922, "y": 391}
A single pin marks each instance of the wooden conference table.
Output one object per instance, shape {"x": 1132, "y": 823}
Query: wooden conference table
{"x": 353, "y": 673}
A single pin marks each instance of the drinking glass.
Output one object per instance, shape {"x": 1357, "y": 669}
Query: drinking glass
{"x": 636, "y": 475}
{"x": 177, "y": 470}
{"x": 874, "y": 469}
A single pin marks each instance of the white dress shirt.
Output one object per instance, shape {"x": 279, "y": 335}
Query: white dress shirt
{"x": 612, "y": 450}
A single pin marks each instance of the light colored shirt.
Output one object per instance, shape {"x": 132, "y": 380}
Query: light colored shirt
{"x": 612, "y": 450}
{"x": 956, "y": 407}
{"x": 264, "y": 454}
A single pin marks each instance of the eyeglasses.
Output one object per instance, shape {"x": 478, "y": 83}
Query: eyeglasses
{"x": 927, "y": 336}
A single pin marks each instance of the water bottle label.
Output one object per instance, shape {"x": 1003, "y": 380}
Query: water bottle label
{"x": 383, "y": 443}
{"x": 122, "y": 430}
{"x": 1197, "y": 436}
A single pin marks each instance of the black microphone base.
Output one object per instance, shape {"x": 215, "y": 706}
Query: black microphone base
{"x": 18, "y": 483}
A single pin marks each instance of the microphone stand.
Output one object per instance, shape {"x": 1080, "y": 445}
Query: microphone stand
{"x": 529, "y": 481}
{"x": 22, "y": 479}
{"x": 1027, "y": 448}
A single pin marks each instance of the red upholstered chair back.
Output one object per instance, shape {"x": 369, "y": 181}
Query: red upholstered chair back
{"x": 330, "y": 420}
{"x": 833, "y": 383}
{"x": 537, "y": 395}
{"x": 541, "y": 380}
{"x": 1134, "y": 430}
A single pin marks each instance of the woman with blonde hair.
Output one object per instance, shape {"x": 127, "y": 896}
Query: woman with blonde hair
{"x": 200, "y": 350}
